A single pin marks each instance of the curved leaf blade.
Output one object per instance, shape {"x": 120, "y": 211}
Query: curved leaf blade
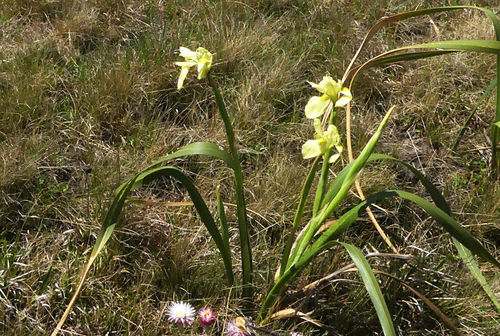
{"x": 200, "y": 205}
{"x": 372, "y": 287}
{"x": 105, "y": 233}
{"x": 450, "y": 225}
{"x": 114, "y": 212}
{"x": 197, "y": 148}
{"x": 473, "y": 267}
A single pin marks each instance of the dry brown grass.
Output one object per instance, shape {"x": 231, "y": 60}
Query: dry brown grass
{"x": 91, "y": 84}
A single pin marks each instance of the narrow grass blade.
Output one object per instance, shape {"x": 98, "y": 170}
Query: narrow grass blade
{"x": 107, "y": 229}
{"x": 473, "y": 267}
{"x": 483, "y": 97}
{"x": 201, "y": 208}
{"x": 372, "y": 287}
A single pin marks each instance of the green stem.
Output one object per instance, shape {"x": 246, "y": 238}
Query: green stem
{"x": 283, "y": 280}
{"x": 298, "y": 216}
{"x": 320, "y": 191}
{"x": 349, "y": 180}
{"x": 223, "y": 219}
{"x": 246, "y": 252}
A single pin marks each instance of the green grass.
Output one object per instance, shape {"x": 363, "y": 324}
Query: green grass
{"x": 93, "y": 84}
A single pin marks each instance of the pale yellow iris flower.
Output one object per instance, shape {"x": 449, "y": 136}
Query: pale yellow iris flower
{"x": 323, "y": 141}
{"x": 333, "y": 92}
{"x": 202, "y": 58}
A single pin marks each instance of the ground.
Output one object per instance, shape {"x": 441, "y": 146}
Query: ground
{"x": 88, "y": 97}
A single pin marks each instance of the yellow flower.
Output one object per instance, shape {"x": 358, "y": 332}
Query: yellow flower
{"x": 323, "y": 140}
{"x": 333, "y": 92}
{"x": 201, "y": 57}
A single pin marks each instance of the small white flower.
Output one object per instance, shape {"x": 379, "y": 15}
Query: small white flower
{"x": 181, "y": 313}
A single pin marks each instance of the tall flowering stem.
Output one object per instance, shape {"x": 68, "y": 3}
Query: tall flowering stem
{"x": 246, "y": 252}
{"x": 323, "y": 180}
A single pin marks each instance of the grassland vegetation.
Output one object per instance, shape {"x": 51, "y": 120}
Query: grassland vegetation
{"x": 88, "y": 97}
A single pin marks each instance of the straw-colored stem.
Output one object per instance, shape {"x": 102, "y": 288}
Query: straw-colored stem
{"x": 358, "y": 185}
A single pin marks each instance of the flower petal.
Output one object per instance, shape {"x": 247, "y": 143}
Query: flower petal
{"x": 316, "y": 106}
{"x": 182, "y": 77}
{"x": 187, "y": 53}
{"x": 318, "y": 129}
{"x": 334, "y": 158}
{"x": 188, "y": 64}
{"x": 203, "y": 68}
{"x": 331, "y": 136}
{"x": 345, "y": 98}
{"x": 313, "y": 148}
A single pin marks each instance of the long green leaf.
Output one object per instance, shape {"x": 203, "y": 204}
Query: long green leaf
{"x": 450, "y": 225}
{"x": 390, "y": 58}
{"x": 440, "y": 201}
{"x": 222, "y": 219}
{"x": 395, "y": 18}
{"x": 344, "y": 221}
{"x": 348, "y": 181}
{"x": 351, "y": 73}
{"x": 107, "y": 229}
{"x": 197, "y": 148}
{"x": 440, "y": 216}
{"x": 403, "y": 54}
{"x": 114, "y": 212}
{"x": 372, "y": 287}
{"x": 201, "y": 208}
{"x": 298, "y": 216}
{"x": 473, "y": 267}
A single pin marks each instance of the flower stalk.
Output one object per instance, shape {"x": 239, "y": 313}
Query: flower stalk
{"x": 246, "y": 252}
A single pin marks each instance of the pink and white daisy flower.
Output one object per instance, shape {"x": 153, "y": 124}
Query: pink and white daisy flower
{"x": 181, "y": 313}
{"x": 206, "y": 315}
{"x": 237, "y": 327}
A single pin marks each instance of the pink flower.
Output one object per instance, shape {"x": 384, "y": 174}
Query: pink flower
{"x": 237, "y": 327}
{"x": 181, "y": 313}
{"x": 206, "y": 315}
